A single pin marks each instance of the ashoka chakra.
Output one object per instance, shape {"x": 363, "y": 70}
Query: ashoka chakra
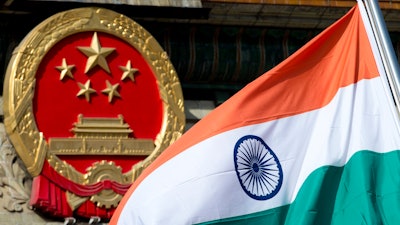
{"x": 257, "y": 167}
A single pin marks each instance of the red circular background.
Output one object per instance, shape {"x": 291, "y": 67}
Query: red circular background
{"x": 56, "y": 105}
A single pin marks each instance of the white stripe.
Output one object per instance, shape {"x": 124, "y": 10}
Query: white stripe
{"x": 201, "y": 185}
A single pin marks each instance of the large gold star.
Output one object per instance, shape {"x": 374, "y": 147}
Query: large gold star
{"x": 65, "y": 69}
{"x": 96, "y": 54}
{"x": 111, "y": 90}
{"x": 86, "y": 90}
{"x": 128, "y": 71}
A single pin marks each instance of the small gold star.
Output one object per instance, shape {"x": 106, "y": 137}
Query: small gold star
{"x": 128, "y": 71}
{"x": 111, "y": 90}
{"x": 65, "y": 69}
{"x": 86, "y": 90}
{"x": 96, "y": 54}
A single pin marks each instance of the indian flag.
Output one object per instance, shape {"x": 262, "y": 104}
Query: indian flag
{"x": 315, "y": 140}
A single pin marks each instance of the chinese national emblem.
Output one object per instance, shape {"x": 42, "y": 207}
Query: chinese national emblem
{"x": 91, "y": 99}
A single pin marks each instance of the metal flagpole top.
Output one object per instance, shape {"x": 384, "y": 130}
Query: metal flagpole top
{"x": 385, "y": 46}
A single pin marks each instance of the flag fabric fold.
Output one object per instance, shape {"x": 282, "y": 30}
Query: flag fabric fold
{"x": 315, "y": 140}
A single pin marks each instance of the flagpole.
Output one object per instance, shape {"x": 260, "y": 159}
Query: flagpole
{"x": 385, "y": 47}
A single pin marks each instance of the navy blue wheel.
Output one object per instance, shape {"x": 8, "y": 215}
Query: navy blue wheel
{"x": 257, "y": 168}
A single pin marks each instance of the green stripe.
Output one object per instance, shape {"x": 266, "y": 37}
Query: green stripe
{"x": 365, "y": 191}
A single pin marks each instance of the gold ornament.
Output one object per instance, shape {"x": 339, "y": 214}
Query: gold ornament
{"x": 85, "y": 90}
{"x": 97, "y": 55}
{"x": 111, "y": 91}
{"x": 128, "y": 71}
{"x": 65, "y": 69}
